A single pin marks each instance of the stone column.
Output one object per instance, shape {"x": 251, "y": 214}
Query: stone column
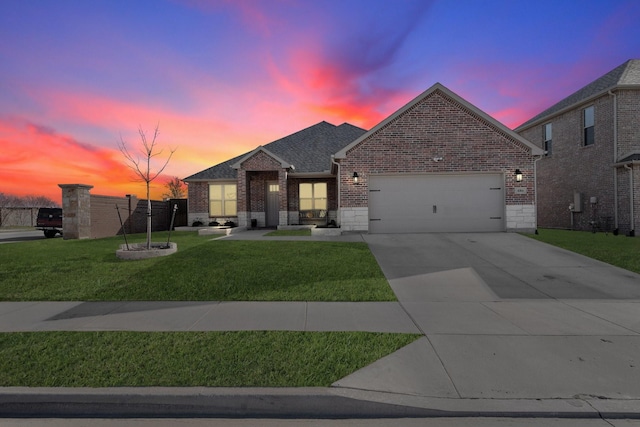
{"x": 76, "y": 211}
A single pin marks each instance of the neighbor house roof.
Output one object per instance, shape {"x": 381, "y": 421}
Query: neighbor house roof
{"x": 438, "y": 87}
{"x": 308, "y": 151}
{"x": 625, "y": 75}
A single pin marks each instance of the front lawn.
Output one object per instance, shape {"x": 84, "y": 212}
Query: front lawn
{"x": 201, "y": 270}
{"x": 620, "y": 251}
{"x": 177, "y": 359}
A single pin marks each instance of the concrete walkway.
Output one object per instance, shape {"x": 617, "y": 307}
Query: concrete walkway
{"x": 512, "y": 327}
{"x": 204, "y": 316}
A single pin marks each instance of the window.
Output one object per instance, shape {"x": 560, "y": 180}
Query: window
{"x": 588, "y": 120}
{"x": 222, "y": 200}
{"x": 313, "y": 196}
{"x": 547, "y": 139}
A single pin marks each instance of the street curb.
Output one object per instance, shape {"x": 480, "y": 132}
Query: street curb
{"x": 302, "y": 403}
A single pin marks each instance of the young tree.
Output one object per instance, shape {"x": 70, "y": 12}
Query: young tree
{"x": 142, "y": 167}
{"x": 175, "y": 189}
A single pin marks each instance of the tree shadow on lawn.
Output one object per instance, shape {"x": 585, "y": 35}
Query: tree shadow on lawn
{"x": 255, "y": 271}
{"x": 104, "y": 308}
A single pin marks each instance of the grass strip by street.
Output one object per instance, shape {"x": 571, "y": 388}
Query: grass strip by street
{"x": 177, "y": 359}
{"x": 201, "y": 270}
{"x": 620, "y": 251}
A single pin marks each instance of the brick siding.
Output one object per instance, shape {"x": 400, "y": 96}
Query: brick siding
{"x": 198, "y": 197}
{"x": 437, "y": 127}
{"x": 588, "y": 170}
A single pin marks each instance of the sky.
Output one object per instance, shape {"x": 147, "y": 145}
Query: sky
{"x": 219, "y": 78}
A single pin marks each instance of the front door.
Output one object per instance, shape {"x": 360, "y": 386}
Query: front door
{"x": 273, "y": 204}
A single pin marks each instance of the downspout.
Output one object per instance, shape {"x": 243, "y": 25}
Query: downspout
{"x": 615, "y": 159}
{"x": 632, "y": 222}
{"x": 338, "y": 211}
{"x": 535, "y": 188}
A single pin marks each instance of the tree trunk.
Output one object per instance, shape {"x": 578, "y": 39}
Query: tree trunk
{"x": 148, "y": 219}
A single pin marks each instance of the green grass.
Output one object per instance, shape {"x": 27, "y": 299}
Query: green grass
{"x": 212, "y": 359}
{"x": 201, "y": 270}
{"x": 285, "y": 233}
{"x": 620, "y": 251}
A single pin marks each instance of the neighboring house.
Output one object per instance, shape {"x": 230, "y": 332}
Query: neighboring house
{"x": 437, "y": 164}
{"x": 590, "y": 175}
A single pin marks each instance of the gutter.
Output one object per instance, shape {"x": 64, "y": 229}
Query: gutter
{"x": 310, "y": 175}
{"x": 615, "y": 159}
{"x": 535, "y": 187}
{"x": 631, "y": 201}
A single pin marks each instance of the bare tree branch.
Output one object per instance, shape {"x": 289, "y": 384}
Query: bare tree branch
{"x": 148, "y": 150}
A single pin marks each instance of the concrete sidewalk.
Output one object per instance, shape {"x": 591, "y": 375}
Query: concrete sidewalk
{"x": 159, "y": 316}
{"x": 512, "y": 327}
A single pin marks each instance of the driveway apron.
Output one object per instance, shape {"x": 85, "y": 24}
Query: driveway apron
{"x": 507, "y": 317}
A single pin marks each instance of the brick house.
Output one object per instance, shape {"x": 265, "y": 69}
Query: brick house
{"x": 288, "y": 181}
{"x": 590, "y": 175}
{"x": 436, "y": 164}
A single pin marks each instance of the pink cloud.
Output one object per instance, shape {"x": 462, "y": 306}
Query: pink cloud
{"x": 36, "y": 159}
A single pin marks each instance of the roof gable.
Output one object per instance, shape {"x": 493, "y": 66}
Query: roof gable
{"x": 465, "y": 105}
{"x": 625, "y": 75}
{"x": 283, "y": 164}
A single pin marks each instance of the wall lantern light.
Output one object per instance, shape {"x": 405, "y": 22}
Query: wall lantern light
{"x": 518, "y": 175}
{"x": 355, "y": 177}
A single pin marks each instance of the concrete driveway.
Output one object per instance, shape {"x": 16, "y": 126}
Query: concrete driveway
{"x": 511, "y": 265}
{"x": 507, "y": 317}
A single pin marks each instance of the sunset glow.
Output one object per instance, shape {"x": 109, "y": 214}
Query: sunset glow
{"x": 222, "y": 77}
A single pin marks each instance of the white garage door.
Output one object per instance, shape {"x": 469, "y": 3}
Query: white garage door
{"x": 436, "y": 203}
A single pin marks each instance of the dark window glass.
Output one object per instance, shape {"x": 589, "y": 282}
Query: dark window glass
{"x": 589, "y": 121}
{"x": 588, "y": 136}
{"x": 548, "y": 146}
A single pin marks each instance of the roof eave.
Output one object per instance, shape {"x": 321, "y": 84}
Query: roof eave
{"x": 323, "y": 174}
{"x": 208, "y": 179}
{"x": 577, "y": 104}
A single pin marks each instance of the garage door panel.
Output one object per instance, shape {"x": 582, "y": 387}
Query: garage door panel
{"x": 436, "y": 203}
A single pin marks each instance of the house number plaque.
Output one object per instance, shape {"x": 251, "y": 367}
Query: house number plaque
{"x": 520, "y": 190}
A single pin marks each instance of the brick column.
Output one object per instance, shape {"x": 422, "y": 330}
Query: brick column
{"x": 283, "y": 211}
{"x": 243, "y": 204}
{"x": 76, "y": 211}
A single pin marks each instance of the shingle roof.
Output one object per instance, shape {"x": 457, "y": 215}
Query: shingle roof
{"x": 627, "y": 74}
{"x": 309, "y": 150}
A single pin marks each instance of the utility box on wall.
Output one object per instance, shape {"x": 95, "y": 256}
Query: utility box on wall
{"x": 577, "y": 202}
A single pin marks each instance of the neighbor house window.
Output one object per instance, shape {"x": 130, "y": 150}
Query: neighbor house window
{"x": 313, "y": 196}
{"x": 222, "y": 200}
{"x": 588, "y": 120}
{"x": 547, "y": 139}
